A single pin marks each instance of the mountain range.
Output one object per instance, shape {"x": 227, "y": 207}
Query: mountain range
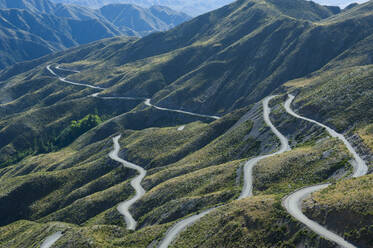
{"x": 31, "y": 29}
{"x": 341, "y": 3}
{"x": 184, "y": 113}
{"x": 191, "y": 7}
{"x": 138, "y": 21}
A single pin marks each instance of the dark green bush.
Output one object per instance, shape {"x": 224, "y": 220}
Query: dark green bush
{"x": 77, "y": 128}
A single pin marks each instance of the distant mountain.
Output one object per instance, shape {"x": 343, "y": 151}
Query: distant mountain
{"x": 32, "y": 5}
{"x": 30, "y": 29}
{"x": 191, "y": 7}
{"x": 341, "y": 3}
{"x": 142, "y": 20}
{"x": 27, "y": 33}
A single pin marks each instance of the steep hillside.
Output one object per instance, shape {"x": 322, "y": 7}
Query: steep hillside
{"x": 140, "y": 20}
{"x": 192, "y": 8}
{"x": 340, "y": 200}
{"x": 188, "y": 104}
{"x": 204, "y": 70}
{"x": 31, "y": 5}
{"x": 195, "y": 8}
{"x": 29, "y": 30}
{"x": 28, "y": 35}
{"x": 187, "y": 59}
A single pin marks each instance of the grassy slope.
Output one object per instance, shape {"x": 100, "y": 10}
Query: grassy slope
{"x": 250, "y": 222}
{"x": 91, "y": 180}
{"x": 179, "y": 66}
{"x": 341, "y": 99}
{"x": 203, "y": 173}
{"x": 255, "y": 222}
{"x": 340, "y": 96}
{"x": 200, "y": 164}
{"x": 352, "y": 199}
{"x": 305, "y": 165}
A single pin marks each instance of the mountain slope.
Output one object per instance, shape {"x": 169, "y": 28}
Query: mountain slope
{"x": 221, "y": 63}
{"x": 46, "y": 33}
{"x": 192, "y": 8}
{"x": 210, "y": 70}
{"x": 32, "y": 29}
{"x": 221, "y": 43}
{"x": 195, "y": 8}
{"x": 31, "y": 5}
{"x": 142, "y": 20}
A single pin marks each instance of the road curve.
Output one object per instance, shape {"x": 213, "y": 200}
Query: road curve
{"x": 360, "y": 167}
{"x": 68, "y": 70}
{"x": 293, "y": 203}
{"x": 124, "y": 207}
{"x": 62, "y": 79}
{"x": 118, "y": 97}
{"x": 175, "y": 230}
{"x": 248, "y": 168}
{"x": 181, "y": 128}
{"x": 148, "y": 103}
{"x": 50, "y": 240}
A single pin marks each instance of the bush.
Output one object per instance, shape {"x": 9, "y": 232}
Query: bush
{"x": 77, "y": 128}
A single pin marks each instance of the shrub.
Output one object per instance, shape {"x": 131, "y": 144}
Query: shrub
{"x": 77, "y": 128}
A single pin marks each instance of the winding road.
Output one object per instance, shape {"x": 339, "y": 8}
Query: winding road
{"x": 124, "y": 207}
{"x": 248, "y": 168}
{"x": 180, "y": 226}
{"x": 147, "y": 101}
{"x": 360, "y": 167}
{"x": 50, "y": 240}
{"x": 174, "y": 231}
{"x": 181, "y": 128}
{"x": 68, "y": 70}
{"x": 293, "y": 203}
{"x": 62, "y": 79}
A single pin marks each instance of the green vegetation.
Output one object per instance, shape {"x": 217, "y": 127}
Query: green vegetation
{"x": 352, "y": 199}
{"x": 366, "y": 134}
{"x": 77, "y": 128}
{"x": 300, "y": 167}
{"x": 32, "y": 29}
{"x": 255, "y": 222}
{"x": 55, "y": 138}
{"x": 343, "y": 99}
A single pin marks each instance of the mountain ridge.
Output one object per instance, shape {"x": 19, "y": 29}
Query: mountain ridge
{"x": 222, "y": 63}
{"x": 50, "y": 27}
